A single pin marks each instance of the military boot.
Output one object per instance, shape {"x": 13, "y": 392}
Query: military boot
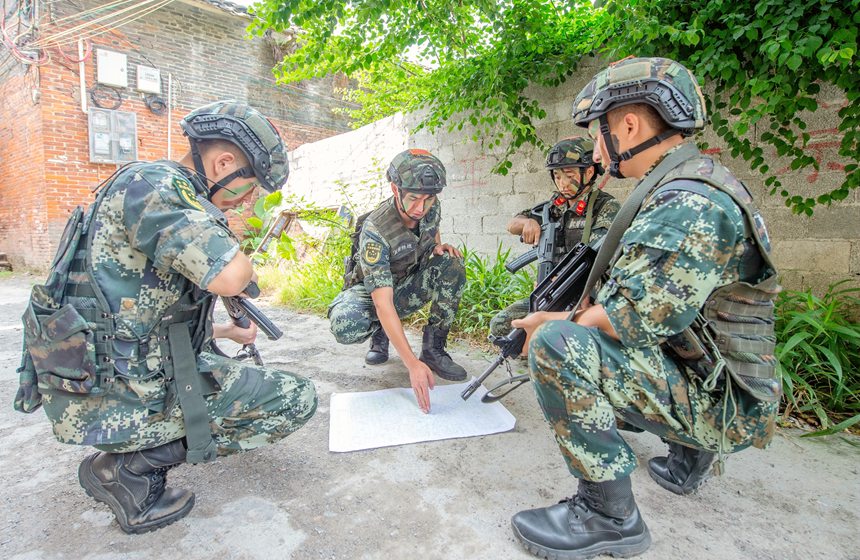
{"x": 132, "y": 485}
{"x": 684, "y": 470}
{"x": 378, "y": 353}
{"x": 437, "y": 359}
{"x": 602, "y": 518}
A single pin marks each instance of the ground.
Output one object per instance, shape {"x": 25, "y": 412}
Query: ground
{"x": 448, "y": 499}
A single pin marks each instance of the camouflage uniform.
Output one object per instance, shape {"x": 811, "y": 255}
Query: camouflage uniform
{"x": 680, "y": 247}
{"x": 573, "y": 224}
{"x": 408, "y": 266}
{"x": 151, "y": 246}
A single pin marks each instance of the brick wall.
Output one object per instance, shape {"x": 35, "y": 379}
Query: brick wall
{"x": 809, "y": 252}
{"x": 44, "y": 153}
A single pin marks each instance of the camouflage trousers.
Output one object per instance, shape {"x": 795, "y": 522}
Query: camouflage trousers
{"x": 584, "y": 379}
{"x": 253, "y": 406}
{"x": 439, "y": 280}
{"x": 500, "y": 324}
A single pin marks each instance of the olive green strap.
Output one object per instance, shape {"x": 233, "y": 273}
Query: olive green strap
{"x": 589, "y": 217}
{"x": 201, "y": 446}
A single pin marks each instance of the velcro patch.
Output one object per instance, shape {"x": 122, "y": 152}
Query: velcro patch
{"x": 372, "y": 252}
{"x": 186, "y": 193}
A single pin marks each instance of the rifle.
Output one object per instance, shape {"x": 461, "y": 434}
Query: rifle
{"x": 561, "y": 290}
{"x": 545, "y": 251}
{"x": 242, "y": 312}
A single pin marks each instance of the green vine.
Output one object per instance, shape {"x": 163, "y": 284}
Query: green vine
{"x": 467, "y": 64}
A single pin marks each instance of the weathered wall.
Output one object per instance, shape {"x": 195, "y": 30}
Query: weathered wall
{"x": 477, "y": 204}
{"x": 44, "y": 154}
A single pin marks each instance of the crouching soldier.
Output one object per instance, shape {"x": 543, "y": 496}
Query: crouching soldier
{"x": 401, "y": 264}
{"x": 118, "y": 341}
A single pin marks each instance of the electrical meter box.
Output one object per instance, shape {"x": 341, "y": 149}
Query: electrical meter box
{"x": 113, "y": 136}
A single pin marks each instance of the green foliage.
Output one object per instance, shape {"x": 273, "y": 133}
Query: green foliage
{"x": 312, "y": 284}
{"x": 765, "y": 63}
{"x": 489, "y": 289}
{"x": 818, "y": 347}
{"x": 467, "y": 65}
{"x": 257, "y": 225}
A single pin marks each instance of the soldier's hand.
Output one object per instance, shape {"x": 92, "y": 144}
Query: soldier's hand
{"x": 422, "y": 381}
{"x": 531, "y": 232}
{"x": 235, "y": 333}
{"x": 445, "y": 248}
{"x": 530, "y": 323}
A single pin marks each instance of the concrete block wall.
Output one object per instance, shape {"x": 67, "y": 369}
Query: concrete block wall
{"x": 44, "y": 153}
{"x": 809, "y": 251}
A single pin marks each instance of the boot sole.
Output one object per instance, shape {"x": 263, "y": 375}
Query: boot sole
{"x": 375, "y": 362}
{"x": 93, "y": 487}
{"x": 674, "y": 488}
{"x": 624, "y": 548}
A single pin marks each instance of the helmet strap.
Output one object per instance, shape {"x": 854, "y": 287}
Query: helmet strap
{"x": 615, "y": 158}
{"x": 216, "y": 185}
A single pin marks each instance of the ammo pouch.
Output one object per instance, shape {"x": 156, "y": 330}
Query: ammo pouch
{"x": 734, "y": 333}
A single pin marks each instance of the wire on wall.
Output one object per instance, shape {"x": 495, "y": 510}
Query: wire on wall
{"x": 105, "y": 97}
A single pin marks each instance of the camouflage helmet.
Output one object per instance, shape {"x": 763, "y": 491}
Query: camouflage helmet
{"x": 662, "y": 83}
{"x": 417, "y": 171}
{"x": 248, "y": 129}
{"x": 575, "y": 151}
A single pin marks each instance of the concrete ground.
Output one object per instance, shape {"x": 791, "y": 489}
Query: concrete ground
{"x": 448, "y": 499}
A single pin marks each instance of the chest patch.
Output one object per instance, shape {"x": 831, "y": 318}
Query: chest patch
{"x": 186, "y": 193}
{"x": 372, "y": 252}
{"x": 403, "y": 248}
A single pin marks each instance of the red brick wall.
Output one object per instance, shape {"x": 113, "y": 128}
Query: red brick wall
{"x": 44, "y": 152}
{"x": 23, "y": 214}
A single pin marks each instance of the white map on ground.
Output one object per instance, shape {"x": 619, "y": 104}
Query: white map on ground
{"x": 392, "y": 417}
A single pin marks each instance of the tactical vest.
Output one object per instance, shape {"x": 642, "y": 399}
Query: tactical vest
{"x": 71, "y": 345}
{"x": 576, "y": 226}
{"x": 735, "y": 328}
{"x": 406, "y": 249}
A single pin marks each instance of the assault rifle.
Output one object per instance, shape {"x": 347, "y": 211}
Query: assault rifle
{"x": 242, "y": 312}
{"x": 561, "y": 290}
{"x": 550, "y": 229}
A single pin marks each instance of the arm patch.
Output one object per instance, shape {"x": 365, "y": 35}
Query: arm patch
{"x": 186, "y": 193}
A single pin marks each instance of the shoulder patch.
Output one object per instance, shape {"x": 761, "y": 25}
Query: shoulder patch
{"x": 372, "y": 252}
{"x": 186, "y": 193}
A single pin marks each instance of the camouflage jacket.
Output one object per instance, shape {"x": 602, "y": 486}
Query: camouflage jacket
{"x": 151, "y": 246}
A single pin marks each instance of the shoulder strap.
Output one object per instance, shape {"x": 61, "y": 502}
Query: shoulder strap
{"x": 629, "y": 210}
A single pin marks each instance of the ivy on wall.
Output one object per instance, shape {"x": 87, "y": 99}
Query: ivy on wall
{"x": 467, "y": 63}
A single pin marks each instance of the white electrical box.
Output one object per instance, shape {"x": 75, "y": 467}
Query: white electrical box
{"x": 148, "y": 79}
{"x": 113, "y": 136}
{"x": 111, "y": 68}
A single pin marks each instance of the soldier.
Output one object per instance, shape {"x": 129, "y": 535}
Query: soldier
{"x": 680, "y": 340}
{"x": 403, "y": 264}
{"x": 585, "y": 213}
{"x": 124, "y": 364}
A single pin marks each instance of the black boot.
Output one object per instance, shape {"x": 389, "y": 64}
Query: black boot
{"x": 602, "y": 518}
{"x": 437, "y": 359}
{"x": 378, "y": 353}
{"x": 132, "y": 485}
{"x": 684, "y": 470}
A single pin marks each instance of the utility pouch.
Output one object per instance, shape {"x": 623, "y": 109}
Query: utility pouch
{"x": 693, "y": 349}
{"x": 61, "y": 346}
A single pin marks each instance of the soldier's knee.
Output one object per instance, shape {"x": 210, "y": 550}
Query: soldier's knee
{"x": 499, "y": 325}
{"x": 556, "y": 337}
{"x": 347, "y": 327}
{"x": 453, "y": 266}
{"x": 306, "y": 402}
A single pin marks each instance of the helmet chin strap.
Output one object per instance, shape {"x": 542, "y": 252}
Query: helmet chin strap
{"x": 216, "y": 185}
{"x": 583, "y": 186}
{"x": 615, "y": 158}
